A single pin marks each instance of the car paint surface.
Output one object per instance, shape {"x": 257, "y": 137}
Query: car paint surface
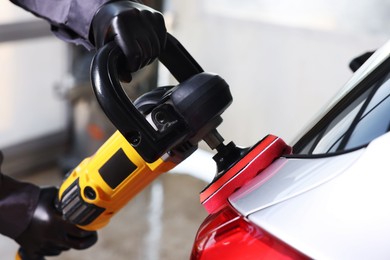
{"x": 341, "y": 216}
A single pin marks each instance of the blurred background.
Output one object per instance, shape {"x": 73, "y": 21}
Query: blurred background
{"x": 284, "y": 60}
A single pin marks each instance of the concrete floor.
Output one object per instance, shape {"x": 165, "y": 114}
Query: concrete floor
{"x": 160, "y": 223}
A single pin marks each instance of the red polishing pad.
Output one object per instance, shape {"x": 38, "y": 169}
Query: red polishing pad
{"x": 214, "y": 196}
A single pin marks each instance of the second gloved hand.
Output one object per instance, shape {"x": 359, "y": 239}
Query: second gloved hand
{"x": 48, "y": 234}
{"x": 138, "y": 30}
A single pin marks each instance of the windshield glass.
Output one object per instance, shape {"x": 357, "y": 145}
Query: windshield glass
{"x": 356, "y": 120}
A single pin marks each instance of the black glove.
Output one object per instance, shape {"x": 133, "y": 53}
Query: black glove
{"x": 48, "y": 234}
{"x": 138, "y": 30}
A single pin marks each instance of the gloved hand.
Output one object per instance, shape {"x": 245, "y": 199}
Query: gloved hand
{"x": 48, "y": 234}
{"x": 138, "y": 30}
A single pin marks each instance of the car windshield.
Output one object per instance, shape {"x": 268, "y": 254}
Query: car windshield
{"x": 360, "y": 117}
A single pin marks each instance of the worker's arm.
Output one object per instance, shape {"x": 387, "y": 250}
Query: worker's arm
{"x": 70, "y": 20}
{"x": 138, "y": 30}
{"x": 28, "y": 216}
{"x": 17, "y": 204}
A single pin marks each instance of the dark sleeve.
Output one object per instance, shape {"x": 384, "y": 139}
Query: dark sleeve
{"x": 70, "y": 19}
{"x": 17, "y": 204}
